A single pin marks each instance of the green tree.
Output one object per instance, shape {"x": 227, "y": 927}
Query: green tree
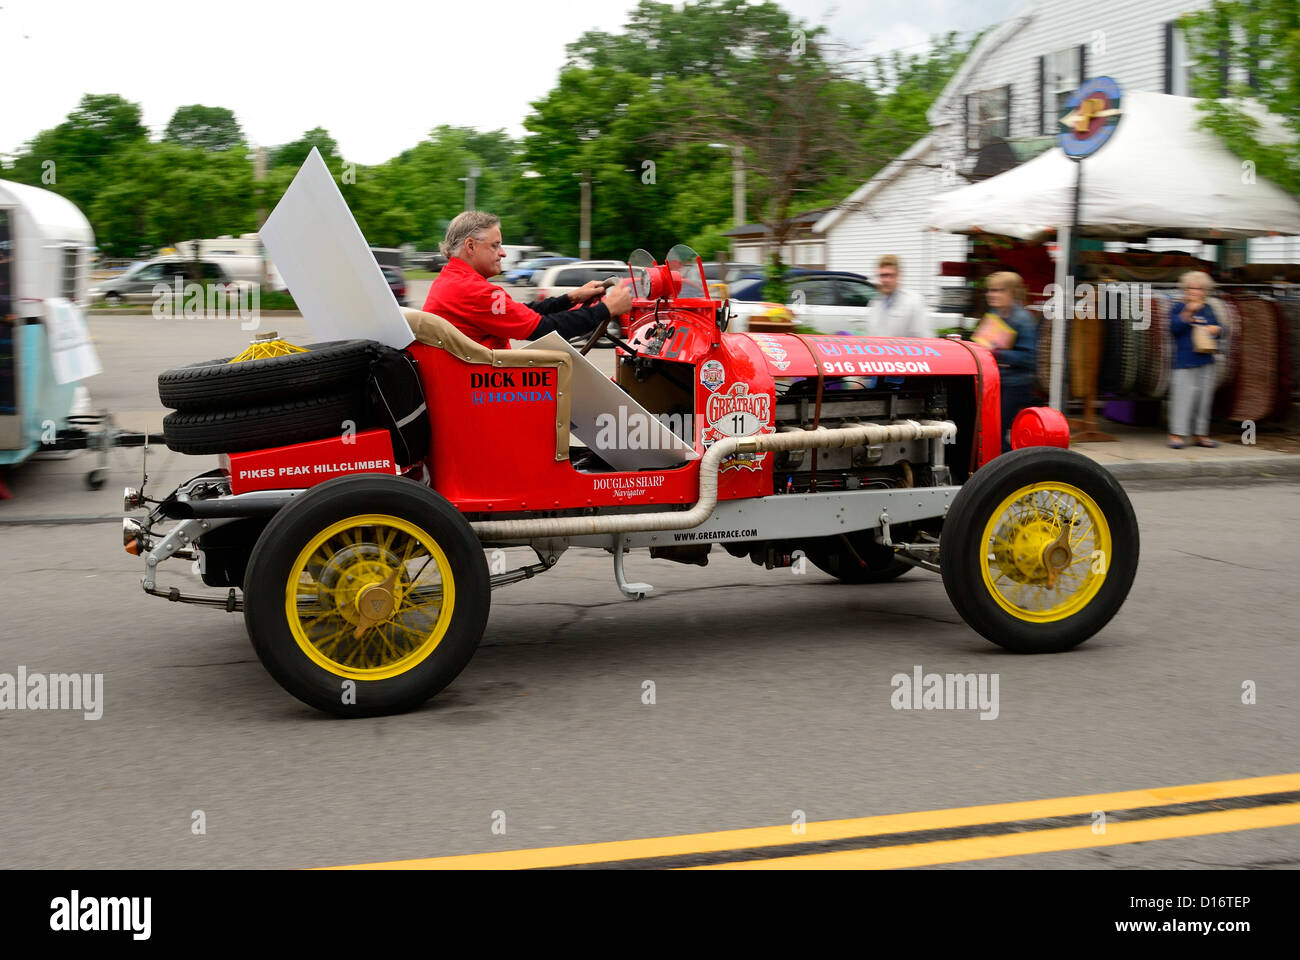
{"x": 812, "y": 124}
{"x": 71, "y": 157}
{"x": 210, "y": 128}
{"x": 1258, "y": 42}
{"x": 159, "y": 193}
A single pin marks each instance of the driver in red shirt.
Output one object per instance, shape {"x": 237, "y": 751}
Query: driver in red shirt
{"x": 461, "y": 293}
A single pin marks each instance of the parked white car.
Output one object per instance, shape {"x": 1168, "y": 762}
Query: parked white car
{"x": 829, "y": 302}
{"x": 570, "y": 276}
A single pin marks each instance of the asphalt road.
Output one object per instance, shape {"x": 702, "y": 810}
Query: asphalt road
{"x": 772, "y": 695}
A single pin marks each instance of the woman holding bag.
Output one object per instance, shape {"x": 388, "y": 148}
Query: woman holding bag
{"x": 1191, "y": 388}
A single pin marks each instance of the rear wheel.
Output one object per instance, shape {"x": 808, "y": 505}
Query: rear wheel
{"x": 1039, "y": 550}
{"x": 366, "y": 595}
{"x": 856, "y": 558}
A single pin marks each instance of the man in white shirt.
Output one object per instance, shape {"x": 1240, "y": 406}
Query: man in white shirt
{"x": 895, "y": 312}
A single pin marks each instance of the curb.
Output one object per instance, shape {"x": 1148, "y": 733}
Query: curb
{"x": 1285, "y": 465}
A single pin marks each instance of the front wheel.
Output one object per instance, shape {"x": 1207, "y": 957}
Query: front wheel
{"x": 1039, "y": 550}
{"x": 366, "y": 595}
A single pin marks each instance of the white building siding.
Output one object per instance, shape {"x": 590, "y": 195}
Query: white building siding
{"x": 1274, "y": 250}
{"x": 1122, "y": 39}
{"x": 892, "y": 220}
{"x": 799, "y": 253}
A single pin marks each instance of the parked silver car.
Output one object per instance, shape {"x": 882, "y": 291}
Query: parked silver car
{"x": 137, "y": 284}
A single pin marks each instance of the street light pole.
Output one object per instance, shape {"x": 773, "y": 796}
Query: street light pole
{"x": 471, "y": 184}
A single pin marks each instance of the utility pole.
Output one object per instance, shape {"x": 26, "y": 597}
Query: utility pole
{"x": 584, "y": 228}
{"x": 738, "y": 183}
{"x": 259, "y": 176}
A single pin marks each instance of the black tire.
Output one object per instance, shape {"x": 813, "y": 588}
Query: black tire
{"x": 216, "y": 385}
{"x": 271, "y": 568}
{"x": 961, "y": 549}
{"x": 112, "y": 299}
{"x": 830, "y": 555}
{"x": 255, "y": 428}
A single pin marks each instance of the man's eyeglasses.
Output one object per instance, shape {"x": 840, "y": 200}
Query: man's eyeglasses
{"x": 495, "y": 246}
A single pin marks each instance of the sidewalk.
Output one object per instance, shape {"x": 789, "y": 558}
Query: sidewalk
{"x": 1140, "y": 453}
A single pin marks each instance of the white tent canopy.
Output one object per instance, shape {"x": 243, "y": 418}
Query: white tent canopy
{"x": 1161, "y": 175}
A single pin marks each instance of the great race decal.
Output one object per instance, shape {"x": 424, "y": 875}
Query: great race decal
{"x": 773, "y": 350}
{"x": 737, "y": 413}
{"x": 512, "y": 386}
{"x": 712, "y": 374}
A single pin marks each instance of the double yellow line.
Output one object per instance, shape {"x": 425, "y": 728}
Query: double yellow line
{"x": 927, "y": 838}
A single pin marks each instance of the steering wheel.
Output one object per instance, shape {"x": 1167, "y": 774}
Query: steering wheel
{"x": 601, "y": 329}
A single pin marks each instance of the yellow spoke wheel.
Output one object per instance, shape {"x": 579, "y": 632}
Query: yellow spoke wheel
{"x": 1039, "y": 549}
{"x": 370, "y": 597}
{"x": 366, "y": 595}
{"x": 1047, "y": 546}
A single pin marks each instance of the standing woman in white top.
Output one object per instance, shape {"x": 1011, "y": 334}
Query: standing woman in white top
{"x": 895, "y": 312}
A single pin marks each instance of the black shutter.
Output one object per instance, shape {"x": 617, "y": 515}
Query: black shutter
{"x": 1008, "y": 111}
{"x": 1042, "y": 96}
{"x": 1252, "y": 44}
{"x": 1169, "y": 57}
{"x": 1083, "y": 64}
{"x": 1223, "y": 69}
{"x": 965, "y": 117}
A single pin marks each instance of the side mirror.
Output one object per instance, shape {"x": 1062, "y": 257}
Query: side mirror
{"x": 722, "y": 315}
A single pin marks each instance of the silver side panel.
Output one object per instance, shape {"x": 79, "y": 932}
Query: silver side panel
{"x": 790, "y": 516}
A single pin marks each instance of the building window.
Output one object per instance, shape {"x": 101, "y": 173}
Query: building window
{"x": 988, "y": 114}
{"x": 68, "y": 285}
{"x": 1178, "y": 64}
{"x": 1060, "y": 79}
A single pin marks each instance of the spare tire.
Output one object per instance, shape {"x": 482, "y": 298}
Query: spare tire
{"x": 215, "y": 385}
{"x": 273, "y": 425}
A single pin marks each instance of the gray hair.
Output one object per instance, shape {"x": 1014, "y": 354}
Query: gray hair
{"x": 466, "y": 225}
{"x": 1198, "y": 277}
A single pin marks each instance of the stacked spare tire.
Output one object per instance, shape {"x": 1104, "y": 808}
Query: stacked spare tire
{"x": 229, "y": 406}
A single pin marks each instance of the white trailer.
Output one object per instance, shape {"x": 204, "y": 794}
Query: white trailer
{"x": 45, "y": 347}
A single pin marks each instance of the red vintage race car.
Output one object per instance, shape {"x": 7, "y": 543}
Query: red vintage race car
{"x": 362, "y": 489}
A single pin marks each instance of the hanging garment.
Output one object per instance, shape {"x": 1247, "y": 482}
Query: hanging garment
{"x": 1256, "y": 382}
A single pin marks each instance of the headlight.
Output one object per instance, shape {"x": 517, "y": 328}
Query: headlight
{"x": 132, "y": 536}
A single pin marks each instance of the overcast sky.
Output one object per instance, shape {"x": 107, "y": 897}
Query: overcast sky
{"x": 378, "y": 76}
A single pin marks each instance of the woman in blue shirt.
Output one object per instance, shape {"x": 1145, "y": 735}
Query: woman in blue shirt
{"x": 1191, "y": 385}
{"x": 1018, "y": 362}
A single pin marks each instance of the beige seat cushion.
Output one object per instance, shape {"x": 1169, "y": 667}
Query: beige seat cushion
{"x": 435, "y": 331}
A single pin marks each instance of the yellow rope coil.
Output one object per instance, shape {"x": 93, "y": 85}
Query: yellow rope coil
{"x": 263, "y": 349}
